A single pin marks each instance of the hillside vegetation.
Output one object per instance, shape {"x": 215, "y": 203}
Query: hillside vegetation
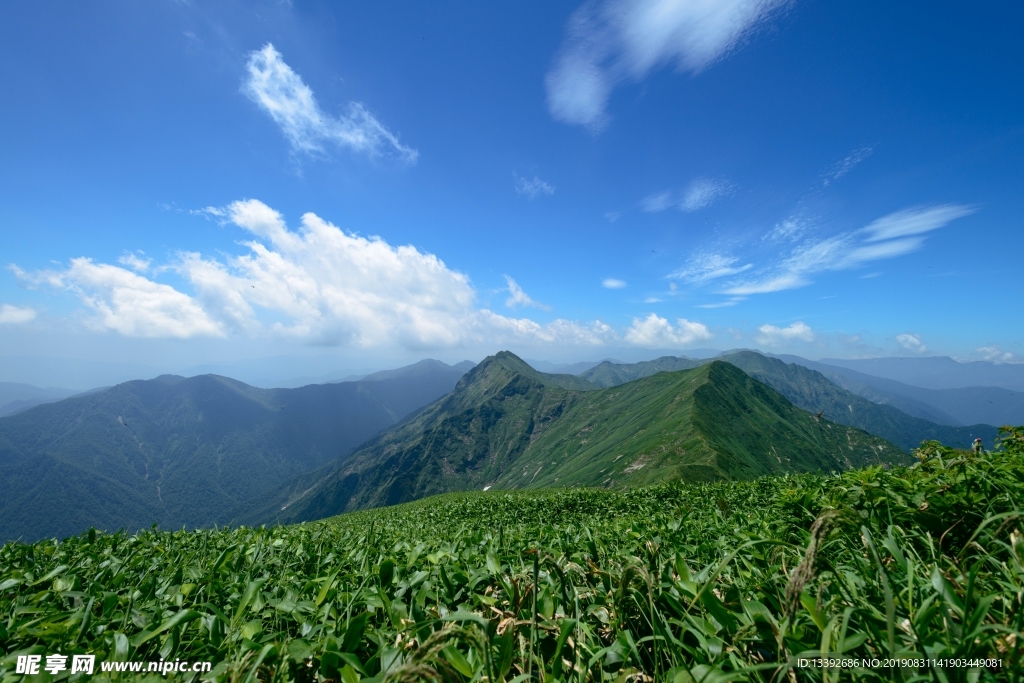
{"x": 810, "y": 389}
{"x": 710, "y": 582}
{"x": 180, "y": 451}
{"x": 507, "y": 426}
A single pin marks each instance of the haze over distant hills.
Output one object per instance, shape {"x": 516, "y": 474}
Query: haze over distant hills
{"x": 507, "y": 425}
{"x": 938, "y": 372}
{"x": 995, "y": 405}
{"x": 183, "y": 451}
{"x": 16, "y": 397}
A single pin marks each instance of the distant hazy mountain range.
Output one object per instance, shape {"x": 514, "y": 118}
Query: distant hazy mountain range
{"x": 15, "y": 397}
{"x": 998, "y": 404}
{"x": 182, "y": 451}
{"x": 507, "y": 425}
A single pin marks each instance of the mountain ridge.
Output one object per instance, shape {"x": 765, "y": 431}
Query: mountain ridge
{"x": 504, "y": 414}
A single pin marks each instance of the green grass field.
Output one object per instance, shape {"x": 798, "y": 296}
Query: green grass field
{"x": 714, "y": 582}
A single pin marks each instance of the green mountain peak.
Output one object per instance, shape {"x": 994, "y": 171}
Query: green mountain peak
{"x": 507, "y": 426}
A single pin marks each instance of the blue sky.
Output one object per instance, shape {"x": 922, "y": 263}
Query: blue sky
{"x": 357, "y": 184}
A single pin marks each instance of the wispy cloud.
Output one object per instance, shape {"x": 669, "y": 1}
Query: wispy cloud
{"x": 911, "y": 342}
{"x": 723, "y": 304}
{"x": 789, "y": 230}
{"x": 656, "y": 202}
{"x": 532, "y": 188}
{"x": 846, "y": 165}
{"x": 770, "y": 335}
{"x": 16, "y": 315}
{"x": 655, "y": 331}
{"x": 615, "y": 41}
{"x": 915, "y": 221}
{"x": 282, "y": 94}
{"x": 888, "y": 237}
{"x": 517, "y": 297}
{"x": 702, "y": 192}
{"x": 705, "y": 266}
{"x": 612, "y": 283}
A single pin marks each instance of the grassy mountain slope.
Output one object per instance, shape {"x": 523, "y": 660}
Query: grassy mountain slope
{"x": 814, "y": 392}
{"x": 712, "y": 582}
{"x": 509, "y": 426}
{"x": 609, "y": 374}
{"x": 876, "y": 389}
{"x": 181, "y": 451}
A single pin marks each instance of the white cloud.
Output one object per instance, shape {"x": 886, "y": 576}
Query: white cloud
{"x": 723, "y": 304}
{"x": 136, "y": 261}
{"x": 655, "y": 331}
{"x": 612, "y": 283}
{"x": 997, "y": 355}
{"x": 282, "y": 94}
{"x": 16, "y": 315}
{"x": 320, "y": 285}
{"x": 532, "y": 187}
{"x": 891, "y": 236}
{"x": 777, "y": 336}
{"x": 702, "y": 192}
{"x": 911, "y": 342}
{"x": 706, "y": 266}
{"x": 613, "y": 216}
{"x": 777, "y": 283}
{"x": 615, "y": 41}
{"x": 517, "y": 297}
{"x": 789, "y": 230}
{"x": 656, "y": 202}
{"x": 128, "y": 303}
{"x": 652, "y": 300}
{"x": 847, "y": 164}
{"x": 915, "y": 221}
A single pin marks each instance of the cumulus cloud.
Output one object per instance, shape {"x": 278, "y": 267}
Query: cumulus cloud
{"x": 128, "y": 303}
{"x": 615, "y": 41}
{"x": 318, "y": 284}
{"x": 888, "y": 237}
{"x": 770, "y": 335}
{"x": 16, "y": 315}
{"x": 846, "y": 165}
{"x": 911, "y": 342}
{"x": 655, "y": 331}
{"x": 705, "y": 266}
{"x": 136, "y": 261}
{"x": 517, "y": 297}
{"x": 997, "y": 355}
{"x": 532, "y": 188}
{"x": 612, "y": 283}
{"x": 282, "y": 94}
{"x": 702, "y": 192}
